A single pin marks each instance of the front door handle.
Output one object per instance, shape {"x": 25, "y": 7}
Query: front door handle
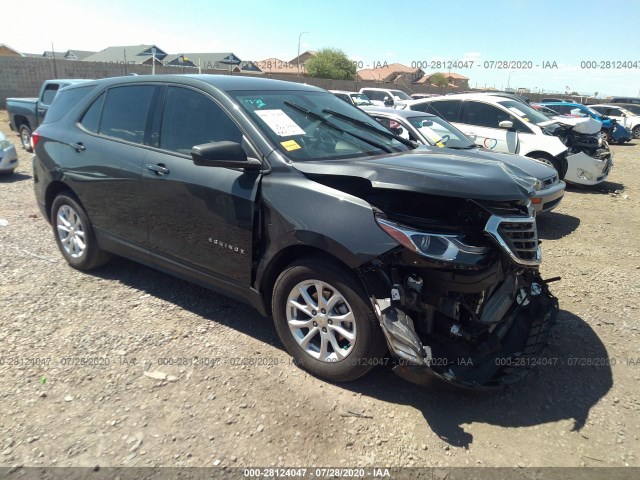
{"x": 78, "y": 147}
{"x": 159, "y": 169}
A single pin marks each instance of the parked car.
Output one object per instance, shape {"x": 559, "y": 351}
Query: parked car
{"x": 8, "y": 156}
{"x": 508, "y": 126}
{"x": 632, "y": 107}
{"x": 384, "y": 97}
{"x": 612, "y": 130}
{"x": 545, "y": 100}
{"x": 635, "y": 100}
{"x": 623, "y": 116}
{"x": 25, "y": 114}
{"x": 355, "y": 98}
{"x": 431, "y": 130}
{"x": 546, "y": 111}
{"x": 285, "y": 197}
{"x": 417, "y": 96}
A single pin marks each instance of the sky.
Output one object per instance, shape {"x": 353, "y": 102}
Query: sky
{"x": 490, "y": 33}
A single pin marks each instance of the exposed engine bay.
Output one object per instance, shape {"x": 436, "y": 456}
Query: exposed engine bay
{"x": 461, "y": 300}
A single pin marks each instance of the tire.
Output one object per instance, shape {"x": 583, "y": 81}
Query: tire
{"x": 347, "y": 355}
{"x": 552, "y": 162}
{"x": 25, "y": 137}
{"x": 74, "y": 234}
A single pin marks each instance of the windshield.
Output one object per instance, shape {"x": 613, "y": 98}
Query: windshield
{"x": 440, "y": 133}
{"x": 400, "y": 94}
{"x": 593, "y": 112}
{"x": 524, "y": 112}
{"x": 360, "y": 99}
{"x": 308, "y": 125}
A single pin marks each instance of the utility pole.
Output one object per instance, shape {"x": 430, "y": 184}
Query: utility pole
{"x": 298, "y": 58}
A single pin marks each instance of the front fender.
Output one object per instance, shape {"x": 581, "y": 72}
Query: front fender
{"x": 300, "y": 212}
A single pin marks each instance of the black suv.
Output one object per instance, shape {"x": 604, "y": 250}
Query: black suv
{"x": 286, "y": 197}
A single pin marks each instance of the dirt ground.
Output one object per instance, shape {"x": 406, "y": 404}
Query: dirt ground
{"x": 126, "y": 366}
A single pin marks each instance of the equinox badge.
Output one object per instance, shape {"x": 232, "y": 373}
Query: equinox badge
{"x": 227, "y": 246}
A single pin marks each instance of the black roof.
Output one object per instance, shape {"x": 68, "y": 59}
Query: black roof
{"x": 220, "y": 82}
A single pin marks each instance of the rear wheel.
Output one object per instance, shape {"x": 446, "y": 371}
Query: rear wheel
{"x": 74, "y": 234}
{"x": 325, "y": 322}
{"x": 25, "y": 138}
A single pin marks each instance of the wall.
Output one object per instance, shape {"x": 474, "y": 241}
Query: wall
{"x": 23, "y": 76}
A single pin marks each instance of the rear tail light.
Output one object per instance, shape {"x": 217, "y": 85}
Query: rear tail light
{"x": 35, "y": 138}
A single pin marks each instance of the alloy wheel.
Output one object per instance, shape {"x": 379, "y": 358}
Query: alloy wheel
{"x": 321, "y": 320}
{"x": 71, "y": 231}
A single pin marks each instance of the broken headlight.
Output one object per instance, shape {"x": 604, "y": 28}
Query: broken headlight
{"x": 436, "y": 246}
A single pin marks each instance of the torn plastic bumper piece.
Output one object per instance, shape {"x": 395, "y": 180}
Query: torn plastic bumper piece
{"x": 530, "y": 326}
{"x": 401, "y": 337}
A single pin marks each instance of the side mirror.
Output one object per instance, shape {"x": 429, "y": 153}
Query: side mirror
{"x": 223, "y": 154}
{"x": 508, "y": 124}
{"x": 388, "y": 101}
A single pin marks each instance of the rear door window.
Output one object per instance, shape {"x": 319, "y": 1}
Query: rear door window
{"x": 484, "y": 115}
{"x": 447, "y": 109}
{"x": 125, "y": 112}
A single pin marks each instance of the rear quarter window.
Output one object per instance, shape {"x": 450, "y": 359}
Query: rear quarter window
{"x": 64, "y": 101}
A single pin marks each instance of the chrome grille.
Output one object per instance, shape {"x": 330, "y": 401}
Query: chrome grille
{"x": 517, "y": 236}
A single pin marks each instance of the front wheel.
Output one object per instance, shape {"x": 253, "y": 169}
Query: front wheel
{"x": 74, "y": 234}
{"x": 25, "y": 138}
{"x": 636, "y": 132}
{"x": 552, "y": 162}
{"x": 324, "y": 320}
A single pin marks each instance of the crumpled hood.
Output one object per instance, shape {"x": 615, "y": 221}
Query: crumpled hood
{"x": 528, "y": 166}
{"x": 432, "y": 172}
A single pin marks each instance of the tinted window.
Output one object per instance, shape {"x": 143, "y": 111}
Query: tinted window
{"x": 49, "y": 93}
{"x": 485, "y": 115}
{"x": 91, "y": 118}
{"x": 375, "y": 94}
{"x": 189, "y": 118}
{"x": 64, "y": 101}
{"x": 615, "y": 112}
{"x": 447, "y": 109}
{"x": 342, "y": 96}
{"x": 125, "y": 112}
{"x": 564, "y": 109}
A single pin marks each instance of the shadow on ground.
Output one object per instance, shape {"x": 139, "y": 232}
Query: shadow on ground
{"x": 605, "y": 187}
{"x": 554, "y": 226}
{"x": 13, "y": 178}
{"x": 556, "y": 391}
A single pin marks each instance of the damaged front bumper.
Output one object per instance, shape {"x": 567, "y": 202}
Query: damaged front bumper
{"x": 528, "y": 317}
{"x": 586, "y": 170}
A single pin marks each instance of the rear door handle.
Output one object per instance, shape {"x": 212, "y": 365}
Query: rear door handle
{"x": 78, "y": 147}
{"x": 159, "y": 169}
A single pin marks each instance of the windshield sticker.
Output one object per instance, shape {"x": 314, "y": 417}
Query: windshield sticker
{"x": 520, "y": 113}
{"x": 280, "y": 122}
{"x": 290, "y": 145}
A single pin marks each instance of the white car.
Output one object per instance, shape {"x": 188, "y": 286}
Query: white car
{"x": 8, "y": 155}
{"x": 354, "y": 98}
{"x": 385, "y": 97}
{"x": 509, "y": 126}
{"x": 624, "y": 117}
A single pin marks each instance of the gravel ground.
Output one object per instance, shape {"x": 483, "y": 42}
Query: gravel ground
{"x": 99, "y": 369}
